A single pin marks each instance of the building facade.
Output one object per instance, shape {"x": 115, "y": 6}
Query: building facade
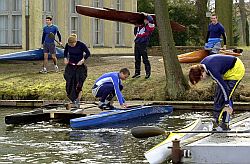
{"x": 21, "y": 23}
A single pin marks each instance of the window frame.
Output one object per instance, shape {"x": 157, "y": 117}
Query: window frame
{"x": 10, "y": 13}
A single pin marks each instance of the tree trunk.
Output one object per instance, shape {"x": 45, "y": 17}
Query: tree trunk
{"x": 176, "y": 84}
{"x": 201, "y": 6}
{"x": 224, "y": 11}
{"x": 243, "y": 18}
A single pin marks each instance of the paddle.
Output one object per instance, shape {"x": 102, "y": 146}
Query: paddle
{"x": 150, "y": 131}
{"x": 52, "y": 36}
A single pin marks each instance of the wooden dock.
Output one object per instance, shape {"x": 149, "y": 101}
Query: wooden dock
{"x": 178, "y": 105}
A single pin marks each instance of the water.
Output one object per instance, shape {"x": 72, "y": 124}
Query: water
{"x": 47, "y": 143}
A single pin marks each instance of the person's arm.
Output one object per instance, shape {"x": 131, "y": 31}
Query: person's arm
{"x": 224, "y": 40}
{"x": 66, "y": 52}
{"x": 149, "y": 29}
{"x": 59, "y": 36}
{"x": 86, "y": 50}
{"x": 208, "y": 33}
{"x": 43, "y": 36}
{"x": 119, "y": 96}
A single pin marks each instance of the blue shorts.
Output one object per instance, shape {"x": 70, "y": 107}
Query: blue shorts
{"x": 49, "y": 48}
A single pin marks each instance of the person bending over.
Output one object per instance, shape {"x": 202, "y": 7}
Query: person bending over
{"x": 227, "y": 71}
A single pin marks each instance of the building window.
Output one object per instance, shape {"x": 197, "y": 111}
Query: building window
{"x": 48, "y": 9}
{"x": 98, "y": 26}
{"x": 118, "y": 29}
{"x": 10, "y": 23}
{"x": 74, "y": 19}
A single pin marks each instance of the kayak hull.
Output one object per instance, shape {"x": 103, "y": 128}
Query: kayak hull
{"x": 121, "y": 16}
{"x": 117, "y": 115}
{"x": 36, "y": 54}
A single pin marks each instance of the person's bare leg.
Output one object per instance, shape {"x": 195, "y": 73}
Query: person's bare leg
{"x": 45, "y": 61}
{"x": 54, "y": 59}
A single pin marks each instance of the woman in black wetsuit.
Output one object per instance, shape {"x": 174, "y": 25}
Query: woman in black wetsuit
{"x": 75, "y": 54}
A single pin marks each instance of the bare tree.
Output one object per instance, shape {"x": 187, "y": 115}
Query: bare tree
{"x": 201, "y": 6}
{"x": 224, "y": 11}
{"x": 176, "y": 84}
{"x": 243, "y": 17}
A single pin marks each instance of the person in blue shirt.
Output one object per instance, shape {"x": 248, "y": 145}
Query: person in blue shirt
{"x": 227, "y": 71}
{"x": 48, "y": 43}
{"x": 109, "y": 85}
{"x": 142, "y": 35}
{"x": 214, "y": 33}
{"x": 75, "y": 54}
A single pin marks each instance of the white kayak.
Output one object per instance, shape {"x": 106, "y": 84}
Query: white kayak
{"x": 162, "y": 152}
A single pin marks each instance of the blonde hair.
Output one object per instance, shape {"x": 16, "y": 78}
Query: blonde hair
{"x": 72, "y": 38}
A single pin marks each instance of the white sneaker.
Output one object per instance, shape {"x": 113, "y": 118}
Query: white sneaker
{"x": 44, "y": 70}
{"x": 56, "y": 68}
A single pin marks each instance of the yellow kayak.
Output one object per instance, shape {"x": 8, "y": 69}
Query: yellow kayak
{"x": 162, "y": 152}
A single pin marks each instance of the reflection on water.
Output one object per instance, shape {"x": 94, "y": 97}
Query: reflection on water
{"x": 46, "y": 143}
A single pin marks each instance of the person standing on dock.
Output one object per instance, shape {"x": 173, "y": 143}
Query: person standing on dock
{"x": 75, "y": 54}
{"x": 142, "y": 35}
{"x": 109, "y": 85}
{"x": 214, "y": 33}
{"x": 48, "y": 43}
{"x": 227, "y": 71}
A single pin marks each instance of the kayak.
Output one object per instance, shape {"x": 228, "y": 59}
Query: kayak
{"x": 121, "y": 16}
{"x": 162, "y": 152}
{"x": 36, "y": 54}
{"x": 197, "y": 56}
{"x": 106, "y": 118}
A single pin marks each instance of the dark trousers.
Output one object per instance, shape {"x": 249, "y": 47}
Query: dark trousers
{"x": 219, "y": 100}
{"x": 75, "y": 76}
{"x": 107, "y": 92}
{"x": 141, "y": 51}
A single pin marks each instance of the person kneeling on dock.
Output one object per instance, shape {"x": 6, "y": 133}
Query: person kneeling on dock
{"x": 109, "y": 85}
{"x": 227, "y": 71}
{"x": 75, "y": 54}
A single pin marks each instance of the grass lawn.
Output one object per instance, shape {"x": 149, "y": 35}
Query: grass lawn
{"x": 22, "y": 80}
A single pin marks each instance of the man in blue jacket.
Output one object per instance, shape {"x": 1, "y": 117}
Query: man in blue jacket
{"x": 109, "y": 85}
{"x": 48, "y": 43}
{"x": 227, "y": 71}
{"x": 214, "y": 33}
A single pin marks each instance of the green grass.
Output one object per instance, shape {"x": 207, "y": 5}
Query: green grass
{"x": 21, "y": 80}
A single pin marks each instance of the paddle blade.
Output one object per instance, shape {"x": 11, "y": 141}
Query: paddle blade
{"x": 146, "y": 131}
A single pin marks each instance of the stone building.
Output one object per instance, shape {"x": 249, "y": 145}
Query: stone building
{"x": 21, "y": 23}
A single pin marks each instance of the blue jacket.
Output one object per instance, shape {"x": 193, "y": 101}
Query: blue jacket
{"x": 216, "y": 66}
{"x": 112, "y": 77}
{"x": 50, "y": 29}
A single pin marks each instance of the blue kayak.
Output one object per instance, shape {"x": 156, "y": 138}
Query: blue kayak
{"x": 36, "y": 54}
{"x": 118, "y": 115}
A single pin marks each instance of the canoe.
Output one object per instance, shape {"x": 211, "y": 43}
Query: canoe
{"x": 162, "y": 152}
{"x": 106, "y": 118}
{"x": 121, "y": 16}
{"x": 197, "y": 56}
{"x": 36, "y": 54}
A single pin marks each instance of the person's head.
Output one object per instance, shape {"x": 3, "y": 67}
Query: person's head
{"x": 72, "y": 40}
{"x": 124, "y": 73}
{"x": 148, "y": 19}
{"x": 48, "y": 20}
{"x": 197, "y": 73}
{"x": 214, "y": 19}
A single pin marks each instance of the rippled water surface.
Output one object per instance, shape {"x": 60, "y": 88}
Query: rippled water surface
{"x": 54, "y": 143}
